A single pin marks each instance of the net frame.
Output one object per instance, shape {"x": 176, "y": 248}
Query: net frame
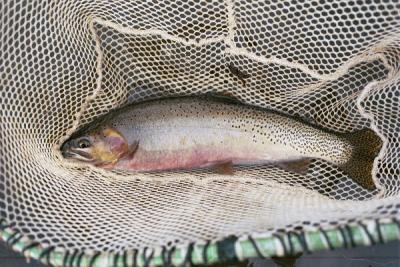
{"x": 230, "y": 249}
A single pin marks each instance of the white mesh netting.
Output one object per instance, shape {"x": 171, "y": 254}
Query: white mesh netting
{"x": 63, "y": 63}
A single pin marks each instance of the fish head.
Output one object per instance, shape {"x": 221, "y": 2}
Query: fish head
{"x": 103, "y": 146}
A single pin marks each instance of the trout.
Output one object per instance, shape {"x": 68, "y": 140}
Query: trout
{"x": 196, "y": 132}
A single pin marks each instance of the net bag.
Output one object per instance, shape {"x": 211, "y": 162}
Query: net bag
{"x": 64, "y": 63}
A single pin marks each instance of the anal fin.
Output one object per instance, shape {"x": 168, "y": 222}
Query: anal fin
{"x": 225, "y": 168}
{"x": 298, "y": 166}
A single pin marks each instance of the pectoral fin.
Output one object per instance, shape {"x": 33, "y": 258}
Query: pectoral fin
{"x": 133, "y": 148}
{"x": 298, "y": 166}
{"x": 225, "y": 168}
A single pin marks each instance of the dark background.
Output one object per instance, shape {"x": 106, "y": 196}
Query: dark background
{"x": 387, "y": 255}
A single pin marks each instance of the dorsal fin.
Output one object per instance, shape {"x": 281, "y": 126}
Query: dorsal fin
{"x": 225, "y": 97}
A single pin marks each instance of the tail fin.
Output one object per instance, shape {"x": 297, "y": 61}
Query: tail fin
{"x": 366, "y": 147}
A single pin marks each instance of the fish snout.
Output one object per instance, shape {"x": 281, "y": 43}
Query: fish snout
{"x": 70, "y": 151}
{"x": 66, "y": 149}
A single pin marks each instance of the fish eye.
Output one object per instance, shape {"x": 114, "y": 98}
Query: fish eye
{"x": 84, "y": 143}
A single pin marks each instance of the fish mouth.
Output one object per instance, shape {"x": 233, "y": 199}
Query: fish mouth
{"x": 72, "y": 153}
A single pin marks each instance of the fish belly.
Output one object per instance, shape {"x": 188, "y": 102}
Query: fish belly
{"x": 196, "y": 148}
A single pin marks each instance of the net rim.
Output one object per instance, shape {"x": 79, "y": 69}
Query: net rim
{"x": 230, "y": 249}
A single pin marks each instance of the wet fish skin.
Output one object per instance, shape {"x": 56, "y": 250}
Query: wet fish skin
{"x": 185, "y": 133}
{"x": 205, "y": 131}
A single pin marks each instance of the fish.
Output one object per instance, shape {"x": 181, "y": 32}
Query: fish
{"x": 203, "y": 132}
